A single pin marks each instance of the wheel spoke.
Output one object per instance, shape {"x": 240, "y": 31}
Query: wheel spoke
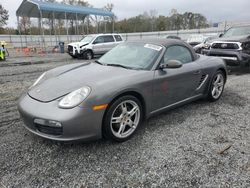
{"x": 220, "y": 84}
{"x": 116, "y": 119}
{"x": 217, "y": 79}
{"x": 121, "y": 129}
{"x": 131, "y": 124}
{"x": 217, "y": 91}
{"x": 124, "y": 108}
{"x": 133, "y": 111}
{"x": 214, "y": 91}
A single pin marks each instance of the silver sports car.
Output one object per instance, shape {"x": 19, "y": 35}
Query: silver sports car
{"x": 112, "y": 96}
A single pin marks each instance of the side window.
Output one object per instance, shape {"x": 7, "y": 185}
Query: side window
{"x": 109, "y": 38}
{"x": 99, "y": 40}
{"x": 118, "y": 38}
{"x": 179, "y": 53}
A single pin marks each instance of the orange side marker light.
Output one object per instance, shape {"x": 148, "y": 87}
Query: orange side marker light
{"x": 100, "y": 107}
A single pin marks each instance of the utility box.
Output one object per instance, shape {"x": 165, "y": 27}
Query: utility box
{"x": 61, "y": 47}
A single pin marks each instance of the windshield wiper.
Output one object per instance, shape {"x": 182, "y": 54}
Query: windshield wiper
{"x": 118, "y": 65}
{"x": 98, "y": 62}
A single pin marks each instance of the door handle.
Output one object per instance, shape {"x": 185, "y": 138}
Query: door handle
{"x": 197, "y": 72}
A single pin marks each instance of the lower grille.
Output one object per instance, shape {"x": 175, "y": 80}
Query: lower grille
{"x": 49, "y": 130}
{"x": 70, "y": 48}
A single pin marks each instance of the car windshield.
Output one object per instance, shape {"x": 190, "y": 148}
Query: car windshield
{"x": 132, "y": 55}
{"x": 237, "y": 31}
{"x": 87, "y": 39}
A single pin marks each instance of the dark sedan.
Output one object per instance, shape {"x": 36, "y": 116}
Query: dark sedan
{"x": 112, "y": 96}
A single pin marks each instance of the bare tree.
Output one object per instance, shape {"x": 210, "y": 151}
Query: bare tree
{"x": 107, "y": 19}
{"x": 25, "y": 25}
{"x": 50, "y": 21}
{"x": 4, "y": 16}
{"x": 81, "y": 19}
{"x": 153, "y": 15}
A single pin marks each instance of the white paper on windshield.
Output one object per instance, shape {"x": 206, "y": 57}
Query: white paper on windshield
{"x": 153, "y": 47}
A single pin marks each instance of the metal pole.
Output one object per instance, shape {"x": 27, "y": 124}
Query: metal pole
{"x": 113, "y": 27}
{"x": 55, "y": 33}
{"x": 41, "y": 16}
{"x": 39, "y": 25}
{"x": 105, "y": 26}
{"x": 87, "y": 24}
{"x": 77, "y": 30}
{"x": 66, "y": 27}
{"x": 19, "y": 31}
{"x": 75, "y": 27}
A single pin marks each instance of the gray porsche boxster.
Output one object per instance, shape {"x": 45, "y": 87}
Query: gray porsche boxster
{"x": 112, "y": 96}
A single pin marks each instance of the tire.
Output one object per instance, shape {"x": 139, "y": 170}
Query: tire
{"x": 217, "y": 86}
{"x": 127, "y": 115}
{"x": 88, "y": 55}
{"x": 248, "y": 67}
{"x": 74, "y": 57}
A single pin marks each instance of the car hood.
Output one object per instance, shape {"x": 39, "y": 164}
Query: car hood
{"x": 241, "y": 38}
{"x": 80, "y": 44}
{"x": 66, "y": 79}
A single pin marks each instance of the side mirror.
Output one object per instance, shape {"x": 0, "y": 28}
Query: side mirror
{"x": 221, "y": 35}
{"x": 171, "y": 64}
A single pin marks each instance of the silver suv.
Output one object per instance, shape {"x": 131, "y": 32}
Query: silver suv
{"x": 91, "y": 45}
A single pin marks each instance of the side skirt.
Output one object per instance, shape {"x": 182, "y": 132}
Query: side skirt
{"x": 177, "y": 104}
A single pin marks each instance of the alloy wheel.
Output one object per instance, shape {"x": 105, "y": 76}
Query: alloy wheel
{"x": 125, "y": 119}
{"x": 218, "y": 85}
{"x": 89, "y": 55}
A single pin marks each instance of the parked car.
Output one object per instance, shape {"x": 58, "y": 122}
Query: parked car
{"x": 173, "y": 37}
{"x": 203, "y": 45}
{"x": 92, "y": 45}
{"x": 233, "y": 46}
{"x": 112, "y": 96}
{"x": 196, "y": 39}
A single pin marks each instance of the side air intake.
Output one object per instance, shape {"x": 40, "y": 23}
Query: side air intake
{"x": 202, "y": 81}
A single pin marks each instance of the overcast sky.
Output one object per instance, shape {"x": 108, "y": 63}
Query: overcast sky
{"x": 216, "y": 11}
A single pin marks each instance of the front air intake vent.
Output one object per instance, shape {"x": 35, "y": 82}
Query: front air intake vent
{"x": 202, "y": 81}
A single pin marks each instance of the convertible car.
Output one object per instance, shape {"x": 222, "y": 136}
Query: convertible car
{"x": 111, "y": 97}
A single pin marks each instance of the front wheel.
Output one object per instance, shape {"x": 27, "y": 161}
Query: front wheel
{"x": 123, "y": 118}
{"x": 88, "y": 55}
{"x": 217, "y": 86}
{"x": 73, "y": 56}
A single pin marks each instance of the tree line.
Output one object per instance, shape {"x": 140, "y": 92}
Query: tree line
{"x": 146, "y": 22}
{"x": 149, "y": 21}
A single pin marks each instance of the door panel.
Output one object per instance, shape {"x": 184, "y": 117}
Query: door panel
{"x": 98, "y": 48}
{"x": 109, "y": 43}
{"x": 174, "y": 85}
{"x": 98, "y": 45}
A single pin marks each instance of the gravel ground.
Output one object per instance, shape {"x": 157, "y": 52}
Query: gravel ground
{"x": 198, "y": 145}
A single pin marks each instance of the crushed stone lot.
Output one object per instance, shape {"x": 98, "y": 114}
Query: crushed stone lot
{"x": 201, "y": 144}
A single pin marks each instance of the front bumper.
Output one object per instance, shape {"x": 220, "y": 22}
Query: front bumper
{"x": 231, "y": 57}
{"x": 76, "y": 123}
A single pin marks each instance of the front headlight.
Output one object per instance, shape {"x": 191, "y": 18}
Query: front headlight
{"x": 38, "y": 80}
{"x": 207, "y": 46}
{"x": 75, "y": 98}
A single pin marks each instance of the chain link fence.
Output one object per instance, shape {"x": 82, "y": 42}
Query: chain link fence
{"x": 50, "y": 41}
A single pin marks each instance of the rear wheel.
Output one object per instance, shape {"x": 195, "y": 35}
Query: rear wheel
{"x": 217, "y": 86}
{"x": 123, "y": 118}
